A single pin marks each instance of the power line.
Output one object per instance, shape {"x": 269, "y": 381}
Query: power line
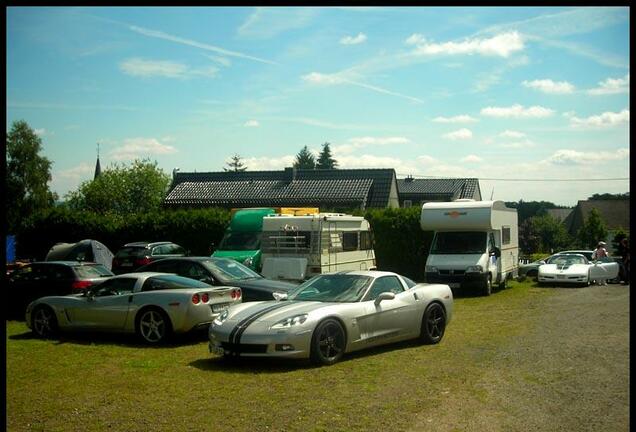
{"x": 523, "y": 179}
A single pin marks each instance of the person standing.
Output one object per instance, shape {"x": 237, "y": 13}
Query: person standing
{"x": 599, "y": 254}
{"x": 624, "y": 251}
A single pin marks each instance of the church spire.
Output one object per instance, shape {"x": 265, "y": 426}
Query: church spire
{"x": 98, "y": 168}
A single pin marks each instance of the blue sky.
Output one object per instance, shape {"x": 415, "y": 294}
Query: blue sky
{"x": 500, "y": 94}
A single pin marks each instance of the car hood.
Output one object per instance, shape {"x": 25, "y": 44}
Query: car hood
{"x": 263, "y": 285}
{"x": 273, "y": 311}
{"x": 556, "y": 268}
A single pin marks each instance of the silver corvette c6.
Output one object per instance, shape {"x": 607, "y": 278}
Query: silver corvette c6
{"x": 152, "y": 305}
{"x": 332, "y": 314}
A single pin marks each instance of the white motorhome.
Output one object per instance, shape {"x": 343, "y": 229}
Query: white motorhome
{"x": 299, "y": 247}
{"x": 475, "y": 243}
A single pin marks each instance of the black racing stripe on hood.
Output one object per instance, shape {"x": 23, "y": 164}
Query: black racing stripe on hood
{"x": 237, "y": 332}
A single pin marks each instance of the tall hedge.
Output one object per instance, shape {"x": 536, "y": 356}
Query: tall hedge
{"x": 400, "y": 243}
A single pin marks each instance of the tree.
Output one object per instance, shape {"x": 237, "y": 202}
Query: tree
{"x": 123, "y": 190}
{"x": 551, "y": 234}
{"x": 305, "y": 160}
{"x": 528, "y": 209}
{"x": 609, "y": 197}
{"x": 235, "y": 164}
{"x": 28, "y": 175}
{"x": 592, "y": 231}
{"x": 325, "y": 160}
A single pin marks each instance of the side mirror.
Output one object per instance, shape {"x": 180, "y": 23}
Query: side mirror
{"x": 278, "y": 296}
{"x": 384, "y": 296}
{"x": 495, "y": 252}
{"x": 541, "y": 262}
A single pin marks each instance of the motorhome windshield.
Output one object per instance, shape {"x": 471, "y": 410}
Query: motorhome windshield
{"x": 240, "y": 241}
{"x": 465, "y": 242}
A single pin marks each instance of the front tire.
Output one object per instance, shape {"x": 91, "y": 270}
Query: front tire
{"x": 153, "y": 326}
{"x": 487, "y": 287}
{"x": 44, "y": 322}
{"x": 328, "y": 342}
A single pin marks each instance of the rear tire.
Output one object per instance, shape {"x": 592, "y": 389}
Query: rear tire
{"x": 44, "y": 322}
{"x": 433, "y": 324}
{"x": 153, "y": 326}
{"x": 328, "y": 342}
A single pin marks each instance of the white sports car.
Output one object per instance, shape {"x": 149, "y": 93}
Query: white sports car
{"x": 332, "y": 314}
{"x": 152, "y": 305}
{"x": 565, "y": 268}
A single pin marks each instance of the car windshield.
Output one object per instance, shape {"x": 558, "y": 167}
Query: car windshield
{"x": 230, "y": 270}
{"x": 240, "y": 241}
{"x": 92, "y": 271}
{"x": 466, "y": 242}
{"x": 567, "y": 259}
{"x": 332, "y": 288}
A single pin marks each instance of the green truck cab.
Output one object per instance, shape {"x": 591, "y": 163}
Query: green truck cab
{"x": 242, "y": 239}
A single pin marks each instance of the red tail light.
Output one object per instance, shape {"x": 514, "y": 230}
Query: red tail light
{"x": 142, "y": 261}
{"x": 195, "y": 299}
{"x": 81, "y": 285}
{"x": 236, "y": 294}
{"x": 205, "y": 297}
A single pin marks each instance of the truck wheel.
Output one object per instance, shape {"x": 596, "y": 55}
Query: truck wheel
{"x": 487, "y": 288}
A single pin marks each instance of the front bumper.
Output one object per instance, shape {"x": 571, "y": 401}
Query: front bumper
{"x": 562, "y": 278}
{"x": 456, "y": 279}
{"x": 284, "y": 343}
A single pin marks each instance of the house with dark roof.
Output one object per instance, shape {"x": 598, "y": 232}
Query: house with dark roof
{"x": 560, "y": 214}
{"x": 615, "y": 214}
{"x": 415, "y": 192}
{"x": 291, "y": 187}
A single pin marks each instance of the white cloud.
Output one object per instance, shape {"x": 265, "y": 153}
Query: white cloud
{"x": 512, "y": 134}
{"x": 224, "y": 61}
{"x": 353, "y": 40}
{"x": 40, "y": 132}
{"x": 502, "y": 45}
{"x": 335, "y": 79}
{"x": 134, "y": 148}
{"x": 415, "y": 39}
{"x": 251, "y": 123}
{"x": 267, "y": 163}
{"x": 456, "y": 119}
{"x": 517, "y": 111}
{"x": 604, "y": 120}
{"x": 162, "y": 68}
{"x": 611, "y": 86}
{"x": 549, "y": 86}
{"x": 189, "y": 42}
{"x": 356, "y": 143}
{"x": 461, "y": 134}
{"x": 266, "y": 22}
{"x": 573, "y": 157}
{"x": 78, "y": 172}
{"x": 427, "y": 160}
{"x": 471, "y": 159}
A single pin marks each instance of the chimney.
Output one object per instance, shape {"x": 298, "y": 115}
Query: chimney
{"x": 409, "y": 178}
{"x": 290, "y": 174}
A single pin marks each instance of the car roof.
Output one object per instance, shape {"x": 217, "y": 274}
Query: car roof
{"x": 142, "y": 275}
{"x": 370, "y": 273}
{"x": 146, "y": 244}
{"x": 68, "y": 263}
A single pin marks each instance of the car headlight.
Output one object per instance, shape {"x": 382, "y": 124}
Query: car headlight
{"x": 248, "y": 261}
{"x": 474, "y": 269}
{"x": 430, "y": 269}
{"x": 222, "y": 317}
{"x": 291, "y": 321}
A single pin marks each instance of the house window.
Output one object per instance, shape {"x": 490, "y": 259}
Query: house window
{"x": 505, "y": 235}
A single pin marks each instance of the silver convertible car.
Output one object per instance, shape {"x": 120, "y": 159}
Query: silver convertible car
{"x": 332, "y": 314}
{"x": 152, "y": 305}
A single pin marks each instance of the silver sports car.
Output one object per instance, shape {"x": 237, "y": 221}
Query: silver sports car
{"x": 332, "y": 314}
{"x": 152, "y": 305}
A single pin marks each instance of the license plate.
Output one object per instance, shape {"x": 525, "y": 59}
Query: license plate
{"x": 126, "y": 264}
{"x": 220, "y": 307}
{"x": 560, "y": 276}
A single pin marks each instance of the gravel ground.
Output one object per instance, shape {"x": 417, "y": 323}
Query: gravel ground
{"x": 569, "y": 372}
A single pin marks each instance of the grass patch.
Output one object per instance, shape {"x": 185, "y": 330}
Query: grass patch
{"x": 99, "y": 383}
